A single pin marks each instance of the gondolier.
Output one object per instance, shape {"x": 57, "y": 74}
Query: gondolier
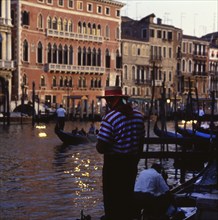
{"x": 61, "y": 114}
{"x": 120, "y": 139}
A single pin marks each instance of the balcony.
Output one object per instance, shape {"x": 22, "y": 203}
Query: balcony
{"x": 199, "y": 53}
{"x": 5, "y": 21}
{"x": 155, "y": 58}
{"x": 200, "y": 74}
{"x": 52, "y": 67}
{"x": 157, "y": 82}
{"x": 200, "y": 56}
{"x": 75, "y": 36}
{"x": 54, "y": 87}
{"x": 43, "y": 86}
{"x": 7, "y": 64}
{"x": 143, "y": 82}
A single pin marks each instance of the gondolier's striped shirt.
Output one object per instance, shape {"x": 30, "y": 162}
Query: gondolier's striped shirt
{"x": 123, "y": 133}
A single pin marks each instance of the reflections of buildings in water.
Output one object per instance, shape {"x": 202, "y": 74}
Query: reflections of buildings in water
{"x": 43, "y": 179}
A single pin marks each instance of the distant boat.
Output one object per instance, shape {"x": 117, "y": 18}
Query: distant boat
{"x": 74, "y": 139}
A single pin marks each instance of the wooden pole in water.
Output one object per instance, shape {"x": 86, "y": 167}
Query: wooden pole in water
{"x": 7, "y": 101}
{"x": 4, "y": 102}
{"x": 22, "y": 102}
{"x": 150, "y": 110}
{"x": 33, "y": 100}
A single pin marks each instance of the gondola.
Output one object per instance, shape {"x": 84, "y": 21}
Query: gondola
{"x": 204, "y": 142}
{"x": 74, "y": 139}
{"x": 206, "y": 128}
{"x": 187, "y": 132}
{"x": 164, "y": 133}
{"x": 199, "y": 194}
{"x": 201, "y": 143}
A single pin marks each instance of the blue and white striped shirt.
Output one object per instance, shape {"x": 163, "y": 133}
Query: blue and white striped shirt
{"x": 123, "y": 133}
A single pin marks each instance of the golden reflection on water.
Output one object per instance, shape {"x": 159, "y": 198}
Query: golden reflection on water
{"x": 81, "y": 173}
{"x": 71, "y": 175}
{"x": 42, "y": 134}
{"x": 41, "y": 126}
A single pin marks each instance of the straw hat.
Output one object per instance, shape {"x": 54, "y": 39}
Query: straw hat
{"x": 113, "y": 91}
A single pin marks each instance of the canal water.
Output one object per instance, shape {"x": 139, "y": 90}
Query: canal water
{"x": 42, "y": 179}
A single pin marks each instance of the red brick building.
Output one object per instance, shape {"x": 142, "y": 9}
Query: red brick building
{"x": 69, "y": 48}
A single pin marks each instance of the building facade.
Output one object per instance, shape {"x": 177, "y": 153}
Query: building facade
{"x": 194, "y": 71}
{"x": 213, "y": 70}
{"x": 154, "y": 57}
{"x": 70, "y": 49}
{"x": 6, "y": 62}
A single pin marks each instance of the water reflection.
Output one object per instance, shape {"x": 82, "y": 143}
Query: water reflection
{"x": 43, "y": 179}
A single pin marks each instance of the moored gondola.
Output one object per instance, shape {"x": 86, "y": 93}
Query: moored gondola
{"x": 165, "y": 133}
{"x": 187, "y": 132}
{"x": 199, "y": 195}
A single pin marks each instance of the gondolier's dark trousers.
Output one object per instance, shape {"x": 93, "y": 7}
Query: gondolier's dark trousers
{"x": 61, "y": 122}
{"x": 119, "y": 174}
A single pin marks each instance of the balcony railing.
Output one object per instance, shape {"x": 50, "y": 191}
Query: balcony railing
{"x": 155, "y": 57}
{"x": 5, "y": 21}
{"x": 42, "y": 86}
{"x": 199, "y": 53}
{"x": 52, "y": 67}
{"x": 157, "y": 82}
{"x": 7, "y": 64}
{"x": 75, "y": 36}
{"x": 199, "y": 73}
{"x": 143, "y": 82}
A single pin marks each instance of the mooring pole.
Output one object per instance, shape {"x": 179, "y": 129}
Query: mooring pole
{"x": 33, "y": 100}
{"x": 7, "y": 101}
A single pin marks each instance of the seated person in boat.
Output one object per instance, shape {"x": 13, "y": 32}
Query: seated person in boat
{"x": 201, "y": 111}
{"x": 151, "y": 192}
{"x": 75, "y": 131}
{"x": 92, "y": 129}
{"x": 82, "y": 132}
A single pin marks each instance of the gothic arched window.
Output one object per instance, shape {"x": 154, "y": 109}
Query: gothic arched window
{"x": 39, "y": 53}
{"x": 25, "y": 50}
{"x": 40, "y": 21}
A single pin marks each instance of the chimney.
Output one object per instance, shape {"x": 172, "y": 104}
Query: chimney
{"x": 159, "y": 21}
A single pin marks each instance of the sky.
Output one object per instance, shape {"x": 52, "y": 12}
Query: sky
{"x": 194, "y": 17}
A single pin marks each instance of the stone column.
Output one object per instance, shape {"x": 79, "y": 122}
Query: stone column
{"x": 4, "y": 45}
{"x": 8, "y": 43}
{"x": 8, "y": 12}
{"x": 4, "y": 9}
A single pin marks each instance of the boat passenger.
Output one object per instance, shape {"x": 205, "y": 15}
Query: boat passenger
{"x": 120, "y": 139}
{"x": 92, "y": 129}
{"x": 75, "y": 131}
{"x": 201, "y": 111}
{"x": 152, "y": 192}
{"x": 82, "y": 132}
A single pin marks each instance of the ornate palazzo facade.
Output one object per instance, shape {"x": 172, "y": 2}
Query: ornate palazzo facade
{"x": 70, "y": 49}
